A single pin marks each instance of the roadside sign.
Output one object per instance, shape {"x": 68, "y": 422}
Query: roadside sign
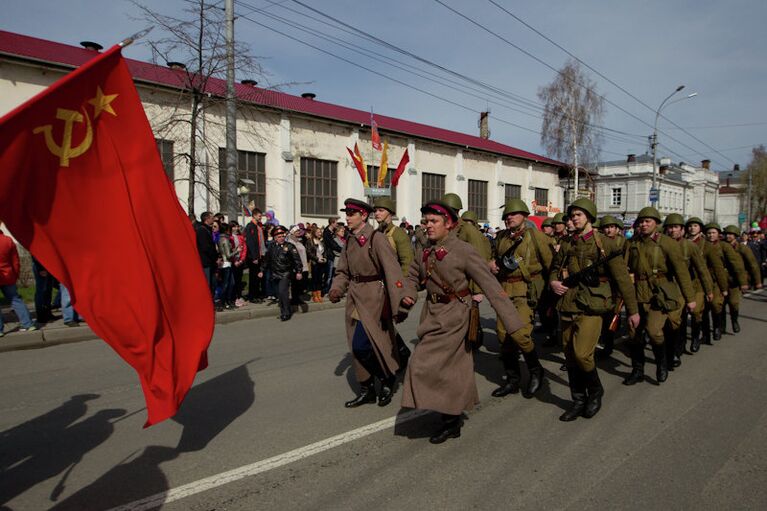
{"x": 653, "y": 195}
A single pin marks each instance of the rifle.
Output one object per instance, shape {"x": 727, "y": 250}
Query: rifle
{"x": 616, "y": 321}
{"x": 590, "y": 274}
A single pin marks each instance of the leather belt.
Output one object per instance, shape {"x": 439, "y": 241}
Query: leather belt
{"x": 659, "y": 276}
{"x": 447, "y": 298}
{"x": 512, "y": 280}
{"x": 365, "y": 278}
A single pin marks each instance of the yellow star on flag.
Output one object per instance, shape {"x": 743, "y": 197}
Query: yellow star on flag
{"x": 102, "y": 102}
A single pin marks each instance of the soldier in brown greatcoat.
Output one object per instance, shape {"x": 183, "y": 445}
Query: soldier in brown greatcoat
{"x": 368, "y": 271}
{"x": 440, "y": 376}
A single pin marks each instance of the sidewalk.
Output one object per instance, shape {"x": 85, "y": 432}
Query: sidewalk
{"x": 56, "y": 332}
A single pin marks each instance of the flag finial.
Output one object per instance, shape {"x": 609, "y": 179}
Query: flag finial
{"x": 138, "y": 35}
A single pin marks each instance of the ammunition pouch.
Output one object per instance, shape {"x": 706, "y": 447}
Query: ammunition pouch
{"x": 666, "y": 295}
{"x": 535, "y": 288}
{"x": 596, "y": 300}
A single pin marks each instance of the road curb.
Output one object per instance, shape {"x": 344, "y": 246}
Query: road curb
{"x": 54, "y": 336}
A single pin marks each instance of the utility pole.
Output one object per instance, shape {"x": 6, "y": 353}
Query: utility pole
{"x": 230, "y": 193}
{"x": 750, "y": 183}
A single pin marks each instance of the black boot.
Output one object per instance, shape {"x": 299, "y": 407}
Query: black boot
{"x": 387, "y": 391}
{"x": 707, "y": 327}
{"x": 637, "y": 364}
{"x": 695, "y": 340}
{"x": 595, "y": 391}
{"x": 451, "y": 428}
{"x": 716, "y": 320}
{"x": 535, "y": 369}
{"x": 510, "y": 360}
{"x": 578, "y": 393}
{"x": 661, "y": 368}
{"x": 608, "y": 344}
{"x": 404, "y": 353}
{"x": 367, "y": 395}
{"x": 734, "y": 320}
{"x": 723, "y": 320}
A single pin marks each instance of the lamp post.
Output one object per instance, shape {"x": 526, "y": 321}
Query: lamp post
{"x": 654, "y": 191}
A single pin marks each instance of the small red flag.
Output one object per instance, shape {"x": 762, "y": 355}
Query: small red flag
{"x": 374, "y": 136}
{"x": 400, "y": 168}
{"x": 82, "y": 187}
{"x": 359, "y": 163}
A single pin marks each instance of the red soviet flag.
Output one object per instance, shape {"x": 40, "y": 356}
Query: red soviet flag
{"x": 83, "y": 188}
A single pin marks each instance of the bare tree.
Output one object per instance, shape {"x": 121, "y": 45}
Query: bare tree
{"x": 758, "y": 169}
{"x": 194, "y": 44}
{"x": 572, "y": 107}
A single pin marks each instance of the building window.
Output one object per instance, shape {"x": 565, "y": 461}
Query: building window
{"x": 250, "y": 165}
{"x": 512, "y": 192}
{"x": 432, "y": 187}
{"x": 319, "y": 182}
{"x": 616, "y": 197}
{"x": 165, "y": 147}
{"x": 373, "y": 180}
{"x": 542, "y": 196}
{"x": 478, "y": 198}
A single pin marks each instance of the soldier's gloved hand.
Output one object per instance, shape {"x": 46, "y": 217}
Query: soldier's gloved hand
{"x": 334, "y": 295}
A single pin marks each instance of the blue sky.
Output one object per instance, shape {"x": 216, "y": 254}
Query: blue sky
{"x": 649, "y": 48}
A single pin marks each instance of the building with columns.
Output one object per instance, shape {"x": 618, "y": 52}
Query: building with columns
{"x": 292, "y": 149}
{"x": 623, "y": 188}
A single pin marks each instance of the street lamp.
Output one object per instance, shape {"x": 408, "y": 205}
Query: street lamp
{"x": 654, "y": 191}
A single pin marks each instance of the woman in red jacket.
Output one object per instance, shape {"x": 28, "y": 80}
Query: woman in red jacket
{"x": 9, "y": 274}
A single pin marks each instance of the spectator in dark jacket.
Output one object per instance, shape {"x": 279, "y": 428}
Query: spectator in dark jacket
{"x": 255, "y": 239}
{"x": 283, "y": 262}
{"x": 207, "y": 249}
{"x": 331, "y": 247}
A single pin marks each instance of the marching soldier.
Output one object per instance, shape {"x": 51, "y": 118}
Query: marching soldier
{"x": 548, "y": 228}
{"x": 584, "y": 304}
{"x": 471, "y": 218}
{"x": 440, "y": 376}
{"x": 731, "y": 232}
{"x": 715, "y": 264}
{"x": 655, "y": 260}
{"x": 701, "y": 283}
{"x": 610, "y": 227}
{"x": 523, "y": 256}
{"x": 369, "y": 273}
{"x": 560, "y": 230}
{"x": 737, "y": 278}
{"x": 384, "y": 211}
{"x": 547, "y": 306}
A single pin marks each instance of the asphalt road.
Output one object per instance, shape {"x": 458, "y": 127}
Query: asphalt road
{"x": 71, "y": 418}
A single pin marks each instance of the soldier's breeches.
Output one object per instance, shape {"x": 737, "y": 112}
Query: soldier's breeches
{"x": 522, "y": 337}
{"x": 718, "y": 302}
{"x": 651, "y": 321}
{"x": 700, "y": 305}
{"x": 580, "y": 335}
{"x": 733, "y": 298}
{"x": 674, "y": 318}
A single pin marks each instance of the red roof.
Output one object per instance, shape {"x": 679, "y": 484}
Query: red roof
{"x": 49, "y": 52}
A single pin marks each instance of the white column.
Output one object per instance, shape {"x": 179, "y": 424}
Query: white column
{"x": 495, "y": 195}
{"x": 456, "y": 182}
{"x": 289, "y": 194}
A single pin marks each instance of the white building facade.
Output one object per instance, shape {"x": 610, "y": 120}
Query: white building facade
{"x": 292, "y": 150}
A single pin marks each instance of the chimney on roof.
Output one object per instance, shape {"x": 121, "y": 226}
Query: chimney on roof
{"x": 250, "y": 82}
{"x": 177, "y": 66}
{"x": 632, "y": 158}
{"x": 706, "y": 164}
{"x": 308, "y": 95}
{"x": 727, "y": 181}
{"x": 736, "y": 167}
{"x": 484, "y": 126}
{"x": 90, "y": 45}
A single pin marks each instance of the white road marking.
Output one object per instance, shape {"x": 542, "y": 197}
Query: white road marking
{"x": 187, "y": 490}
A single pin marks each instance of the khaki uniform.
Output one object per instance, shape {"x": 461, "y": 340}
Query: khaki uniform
{"x": 525, "y": 284}
{"x": 400, "y": 242}
{"x": 607, "y": 336}
{"x": 582, "y": 308}
{"x": 468, "y": 232}
{"x": 369, "y": 273}
{"x": 700, "y": 276}
{"x": 736, "y": 276}
{"x": 440, "y": 375}
{"x": 659, "y": 275}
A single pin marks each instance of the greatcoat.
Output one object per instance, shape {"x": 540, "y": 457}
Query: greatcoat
{"x": 440, "y": 375}
{"x": 366, "y": 255}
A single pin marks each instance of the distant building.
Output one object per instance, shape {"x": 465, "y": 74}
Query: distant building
{"x": 623, "y": 188}
{"x": 732, "y": 201}
{"x": 292, "y": 149}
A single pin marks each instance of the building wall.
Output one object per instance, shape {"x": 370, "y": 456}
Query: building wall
{"x": 287, "y": 137}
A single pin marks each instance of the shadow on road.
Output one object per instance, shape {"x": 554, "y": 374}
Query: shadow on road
{"x": 208, "y": 409}
{"x": 421, "y": 426}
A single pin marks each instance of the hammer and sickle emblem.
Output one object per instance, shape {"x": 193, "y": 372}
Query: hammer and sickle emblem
{"x": 65, "y": 151}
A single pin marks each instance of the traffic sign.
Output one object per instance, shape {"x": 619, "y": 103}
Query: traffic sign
{"x": 653, "y": 195}
{"x": 741, "y": 217}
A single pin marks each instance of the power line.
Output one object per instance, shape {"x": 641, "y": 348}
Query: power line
{"x": 520, "y": 20}
{"x": 544, "y": 63}
{"x": 722, "y": 126}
